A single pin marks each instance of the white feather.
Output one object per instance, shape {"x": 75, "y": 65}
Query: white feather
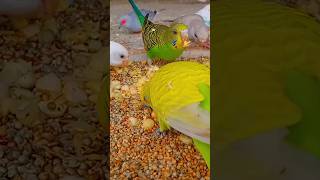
{"x": 116, "y": 50}
{"x": 205, "y": 14}
{"x": 193, "y": 121}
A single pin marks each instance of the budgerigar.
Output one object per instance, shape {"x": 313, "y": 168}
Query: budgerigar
{"x": 118, "y": 54}
{"x": 267, "y": 72}
{"x": 161, "y": 42}
{"x": 131, "y": 22}
{"x": 179, "y": 94}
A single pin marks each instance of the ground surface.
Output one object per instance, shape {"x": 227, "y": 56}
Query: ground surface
{"x": 138, "y": 149}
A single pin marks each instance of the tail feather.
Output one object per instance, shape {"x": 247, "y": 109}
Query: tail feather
{"x": 137, "y": 11}
{"x": 204, "y": 150}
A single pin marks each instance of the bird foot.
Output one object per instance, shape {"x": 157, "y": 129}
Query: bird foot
{"x": 158, "y": 133}
{"x": 146, "y": 106}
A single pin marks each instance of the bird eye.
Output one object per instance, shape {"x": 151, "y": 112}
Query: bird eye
{"x": 175, "y": 32}
{"x": 121, "y": 56}
{"x": 195, "y": 35}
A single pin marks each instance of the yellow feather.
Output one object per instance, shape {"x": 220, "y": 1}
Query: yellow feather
{"x": 173, "y": 87}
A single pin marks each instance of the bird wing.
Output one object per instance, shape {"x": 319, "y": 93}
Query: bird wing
{"x": 153, "y": 35}
{"x": 193, "y": 121}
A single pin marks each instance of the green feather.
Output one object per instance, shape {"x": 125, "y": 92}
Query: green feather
{"x": 204, "y": 150}
{"x": 205, "y": 91}
{"x": 304, "y": 90}
{"x": 137, "y": 11}
{"x": 202, "y": 147}
{"x": 158, "y": 39}
{"x": 166, "y": 52}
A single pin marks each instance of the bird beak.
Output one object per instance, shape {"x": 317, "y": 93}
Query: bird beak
{"x": 205, "y": 44}
{"x": 184, "y": 35}
{"x": 125, "y": 62}
{"x": 186, "y": 43}
{"x": 185, "y": 38}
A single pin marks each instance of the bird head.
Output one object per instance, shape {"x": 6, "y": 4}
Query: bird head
{"x": 202, "y": 34}
{"x": 119, "y": 55}
{"x": 123, "y": 21}
{"x": 199, "y": 32}
{"x": 181, "y": 30}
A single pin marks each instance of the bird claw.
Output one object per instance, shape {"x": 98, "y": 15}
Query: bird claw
{"x": 158, "y": 133}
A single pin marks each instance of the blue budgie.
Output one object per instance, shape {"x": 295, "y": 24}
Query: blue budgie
{"x": 130, "y": 20}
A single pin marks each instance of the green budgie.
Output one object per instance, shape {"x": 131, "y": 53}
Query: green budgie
{"x": 162, "y": 42}
{"x": 262, "y": 51}
{"x": 179, "y": 94}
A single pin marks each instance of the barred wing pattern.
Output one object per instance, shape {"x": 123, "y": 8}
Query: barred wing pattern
{"x": 153, "y": 35}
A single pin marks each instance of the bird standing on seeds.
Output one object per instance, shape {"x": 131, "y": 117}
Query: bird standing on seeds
{"x": 130, "y": 21}
{"x": 179, "y": 94}
{"x": 160, "y": 41}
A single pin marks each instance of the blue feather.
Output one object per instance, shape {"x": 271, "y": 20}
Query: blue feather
{"x": 174, "y": 42}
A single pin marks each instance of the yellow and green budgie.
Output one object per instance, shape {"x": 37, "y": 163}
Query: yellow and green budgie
{"x": 267, "y": 72}
{"x": 179, "y": 94}
{"x": 160, "y": 41}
